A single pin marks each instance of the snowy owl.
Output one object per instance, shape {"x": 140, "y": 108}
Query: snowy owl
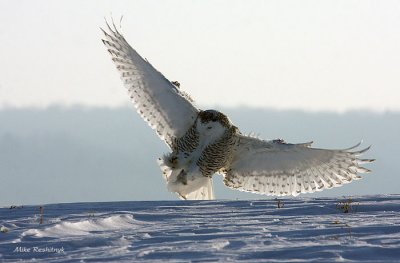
{"x": 205, "y": 142}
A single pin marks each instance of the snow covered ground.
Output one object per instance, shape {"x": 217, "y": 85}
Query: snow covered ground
{"x": 303, "y": 230}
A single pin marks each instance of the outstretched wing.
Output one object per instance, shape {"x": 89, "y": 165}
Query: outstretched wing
{"x": 277, "y": 168}
{"x": 165, "y": 108}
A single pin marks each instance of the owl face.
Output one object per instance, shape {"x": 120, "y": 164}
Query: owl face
{"x": 214, "y": 116}
{"x": 212, "y": 124}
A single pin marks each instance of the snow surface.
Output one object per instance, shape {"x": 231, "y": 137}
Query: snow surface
{"x": 303, "y": 230}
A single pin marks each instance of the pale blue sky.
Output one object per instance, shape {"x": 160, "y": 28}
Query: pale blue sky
{"x": 312, "y": 55}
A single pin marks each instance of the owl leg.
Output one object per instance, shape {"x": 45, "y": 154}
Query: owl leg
{"x": 201, "y": 185}
{"x": 185, "y": 178}
{"x": 185, "y": 182}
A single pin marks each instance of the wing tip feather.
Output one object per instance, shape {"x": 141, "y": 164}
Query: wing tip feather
{"x": 361, "y": 151}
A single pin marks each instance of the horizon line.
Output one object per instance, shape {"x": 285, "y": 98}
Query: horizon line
{"x": 128, "y": 105}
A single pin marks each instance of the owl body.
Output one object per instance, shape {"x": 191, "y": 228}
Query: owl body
{"x": 205, "y": 149}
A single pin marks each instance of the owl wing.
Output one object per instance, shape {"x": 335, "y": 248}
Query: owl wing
{"x": 160, "y": 103}
{"x": 278, "y": 168}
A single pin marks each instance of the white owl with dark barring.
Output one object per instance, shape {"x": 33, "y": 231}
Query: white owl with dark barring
{"x": 205, "y": 142}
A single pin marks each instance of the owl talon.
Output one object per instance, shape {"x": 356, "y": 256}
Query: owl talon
{"x": 174, "y": 161}
{"x": 182, "y": 177}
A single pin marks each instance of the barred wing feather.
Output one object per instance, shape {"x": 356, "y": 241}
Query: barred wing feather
{"x": 277, "y": 168}
{"x": 165, "y": 108}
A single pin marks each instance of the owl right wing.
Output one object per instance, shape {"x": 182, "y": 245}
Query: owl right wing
{"x": 278, "y": 168}
{"x": 160, "y": 103}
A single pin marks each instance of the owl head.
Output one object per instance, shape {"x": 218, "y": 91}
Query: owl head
{"x": 212, "y": 123}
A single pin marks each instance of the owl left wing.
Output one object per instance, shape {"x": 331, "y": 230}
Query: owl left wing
{"x": 161, "y": 104}
{"x": 278, "y": 168}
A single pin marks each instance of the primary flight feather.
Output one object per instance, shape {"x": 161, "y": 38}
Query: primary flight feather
{"x": 205, "y": 142}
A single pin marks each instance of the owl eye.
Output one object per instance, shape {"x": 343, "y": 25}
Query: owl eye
{"x": 209, "y": 128}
